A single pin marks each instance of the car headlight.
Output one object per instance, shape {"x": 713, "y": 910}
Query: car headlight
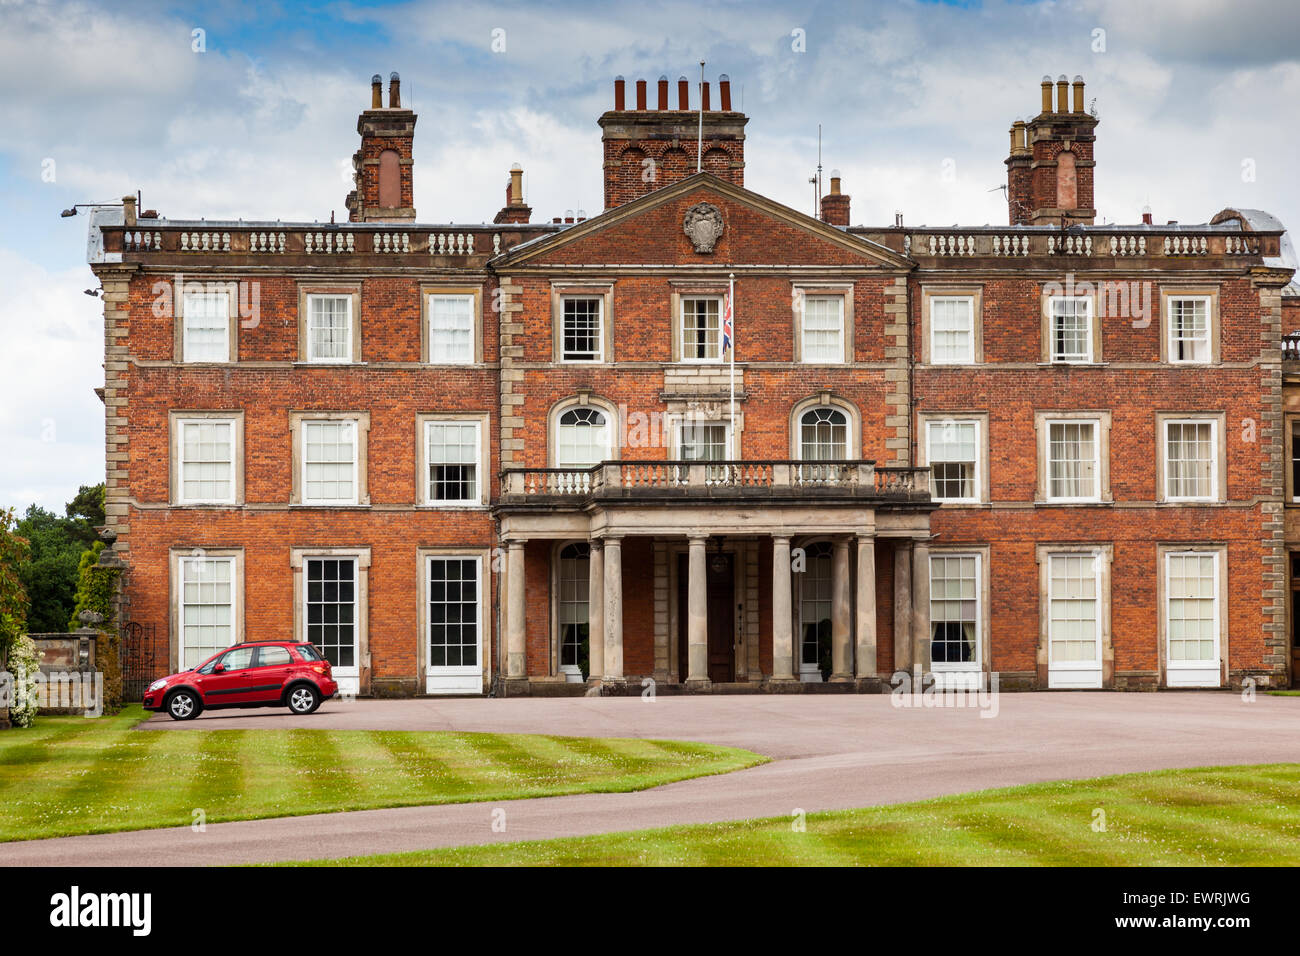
{"x": 156, "y": 685}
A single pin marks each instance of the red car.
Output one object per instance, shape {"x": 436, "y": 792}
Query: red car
{"x": 261, "y": 674}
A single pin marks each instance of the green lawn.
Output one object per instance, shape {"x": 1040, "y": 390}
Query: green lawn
{"x": 68, "y": 775}
{"x": 1215, "y": 816}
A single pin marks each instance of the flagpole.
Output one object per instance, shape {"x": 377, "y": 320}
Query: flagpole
{"x": 731, "y": 301}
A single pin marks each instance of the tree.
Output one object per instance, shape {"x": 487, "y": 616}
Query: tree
{"x": 86, "y": 513}
{"x": 13, "y": 597}
{"x": 49, "y": 574}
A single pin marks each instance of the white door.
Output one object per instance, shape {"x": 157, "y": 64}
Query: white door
{"x": 1192, "y": 619}
{"x": 330, "y": 613}
{"x": 1074, "y": 621}
{"x": 455, "y": 627}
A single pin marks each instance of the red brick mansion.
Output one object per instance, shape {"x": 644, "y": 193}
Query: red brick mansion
{"x": 525, "y": 457}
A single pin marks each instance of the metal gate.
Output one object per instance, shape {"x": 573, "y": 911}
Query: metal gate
{"x": 139, "y": 667}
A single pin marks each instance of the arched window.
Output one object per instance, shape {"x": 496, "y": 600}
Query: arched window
{"x": 573, "y": 610}
{"x": 582, "y": 438}
{"x": 815, "y": 612}
{"x": 823, "y": 434}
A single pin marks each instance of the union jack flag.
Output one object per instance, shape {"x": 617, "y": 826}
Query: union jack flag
{"x": 728, "y": 326}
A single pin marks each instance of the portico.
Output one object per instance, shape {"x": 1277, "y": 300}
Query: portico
{"x": 741, "y": 573}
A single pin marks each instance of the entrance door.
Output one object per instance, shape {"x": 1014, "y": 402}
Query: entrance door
{"x": 721, "y": 605}
{"x": 330, "y": 613}
{"x": 1074, "y": 621}
{"x": 1295, "y": 620}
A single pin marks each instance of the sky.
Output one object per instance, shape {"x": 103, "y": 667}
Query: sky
{"x": 234, "y": 109}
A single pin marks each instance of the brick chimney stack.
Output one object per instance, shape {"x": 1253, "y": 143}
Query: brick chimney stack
{"x": 1050, "y": 166}
{"x": 835, "y": 204}
{"x": 515, "y": 209}
{"x": 382, "y": 166}
{"x": 646, "y": 149}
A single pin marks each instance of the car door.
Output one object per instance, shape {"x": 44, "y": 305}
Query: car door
{"x": 230, "y": 685}
{"x": 270, "y": 671}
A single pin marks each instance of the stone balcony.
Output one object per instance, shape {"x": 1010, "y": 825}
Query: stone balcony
{"x": 645, "y": 482}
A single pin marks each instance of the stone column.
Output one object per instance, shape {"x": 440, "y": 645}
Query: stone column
{"x": 866, "y": 624}
{"x": 516, "y": 643}
{"x": 841, "y": 613}
{"x": 596, "y": 612}
{"x": 697, "y": 619}
{"x": 902, "y": 605}
{"x": 613, "y": 610}
{"x": 921, "y": 606}
{"x": 782, "y": 624}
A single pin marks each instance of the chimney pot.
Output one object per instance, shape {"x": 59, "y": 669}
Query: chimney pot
{"x": 128, "y": 210}
{"x": 394, "y": 91}
{"x": 704, "y": 96}
{"x": 1047, "y": 94}
{"x": 376, "y": 92}
{"x": 1062, "y": 94}
{"x": 1146, "y": 215}
{"x": 724, "y": 93}
{"x": 516, "y": 185}
{"x": 620, "y": 101}
{"x": 835, "y": 182}
{"x": 640, "y": 94}
{"x": 683, "y": 93}
{"x": 663, "y": 92}
{"x": 1078, "y": 94}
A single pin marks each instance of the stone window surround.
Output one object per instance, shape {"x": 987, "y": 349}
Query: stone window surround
{"x": 695, "y": 289}
{"x": 1219, "y": 420}
{"x": 975, "y": 293}
{"x": 603, "y": 290}
{"x": 362, "y": 419}
{"x": 800, "y": 290}
{"x": 1106, "y": 553}
{"x": 853, "y": 444}
{"x": 984, "y": 594}
{"x": 452, "y": 287}
{"x": 1163, "y": 550}
{"x": 583, "y": 398}
{"x": 174, "y": 419}
{"x": 350, "y": 289}
{"x": 1103, "y": 420}
{"x": 422, "y": 556}
{"x": 297, "y": 556}
{"x": 230, "y": 289}
{"x": 1291, "y": 421}
{"x": 175, "y": 556}
{"x": 422, "y": 419}
{"x": 982, "y": 476}
{"x": 1046, "y": 332}
{"x": 1202, "y": 291}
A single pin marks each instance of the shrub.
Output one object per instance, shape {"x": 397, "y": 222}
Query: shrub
{"x": 24, "y": 662}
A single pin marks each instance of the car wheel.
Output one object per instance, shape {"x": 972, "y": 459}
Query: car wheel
{"x": 303, "y": 699}
{"x": 183, "y": 705}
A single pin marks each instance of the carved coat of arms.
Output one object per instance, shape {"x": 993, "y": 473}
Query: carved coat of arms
{"x": 703, "y": 226}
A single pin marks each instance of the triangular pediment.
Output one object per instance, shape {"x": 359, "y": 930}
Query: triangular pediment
{"x": 650, "y": 231}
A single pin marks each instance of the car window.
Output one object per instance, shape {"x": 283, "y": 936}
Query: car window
{"x": 309, "y": 653}
{"x": 270, "y": 656}
{"x": 238, "y": 659}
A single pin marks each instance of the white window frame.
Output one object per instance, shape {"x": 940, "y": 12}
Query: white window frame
{"x": 1197, "y": 673}
{"x": 599, "y": 333}
{"x": 608, "y": 429}
{"x": 1077, "y": 674}
{"x": 977, "y": 466}
{"x": 354, "y": 427}
{"x": 716, "y": 340}
{"x": 969, "y": 301}
{"x": 479, "y": 474}
{"x": 346, "y": 358}
{"x": 180, "y": 423}
{"x": 434, "y": 357}
{"x": 1089, "y": 357}
{"x": 349, "y": 678}
{"x": 184, "y": 570}
{"x": 207, "y": 294}
{"x": 1167, "y": 477}
{"x": 1170, "y": 339}
{"x": 1096, "y": 460}
{"x": 840, "y": 336}
{"x": 977, "y": 665}
{"x": 453, "y": 678}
